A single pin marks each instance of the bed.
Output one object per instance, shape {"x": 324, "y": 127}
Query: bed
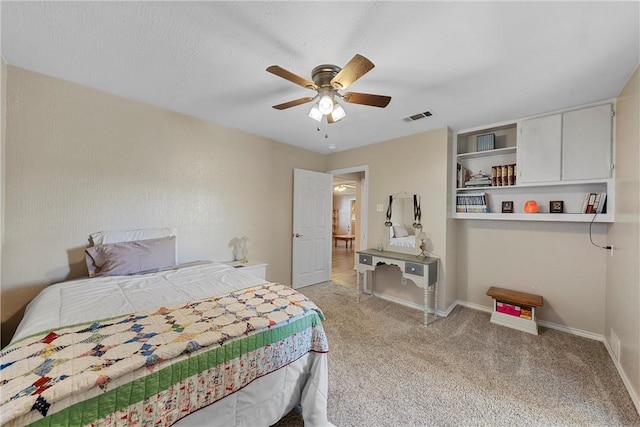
{"x": 194, "y": 344}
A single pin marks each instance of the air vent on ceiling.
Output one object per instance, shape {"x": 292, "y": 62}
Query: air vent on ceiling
{"x": 418, "y": 116}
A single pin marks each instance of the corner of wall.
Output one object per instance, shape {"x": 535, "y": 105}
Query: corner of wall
{"x": 3, "y": 137}
{"x": 622, "y": 318}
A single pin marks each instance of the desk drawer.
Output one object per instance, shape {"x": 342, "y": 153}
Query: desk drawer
{"x": 413, "y": 268}
{"x": 365, "y": 259}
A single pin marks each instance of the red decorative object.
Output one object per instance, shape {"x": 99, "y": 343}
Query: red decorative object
{"x": 531, "y": 206}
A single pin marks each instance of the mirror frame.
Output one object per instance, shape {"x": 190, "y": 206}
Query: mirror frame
{"x": 417, "y": 225}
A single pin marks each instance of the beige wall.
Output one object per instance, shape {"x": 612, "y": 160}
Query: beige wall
{"x": 416, "y": 164}
{"x": 622, "y": 314}
{"x": 79, "y": 160}
{"x": 555, "y": 260}
{"x": 3, "y": 111}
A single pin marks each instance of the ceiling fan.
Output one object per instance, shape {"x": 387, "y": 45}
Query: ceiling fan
{"x": 328, "y": 80}
{"x": 343, "y": 187}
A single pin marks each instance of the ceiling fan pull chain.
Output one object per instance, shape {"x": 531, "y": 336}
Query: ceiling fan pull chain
{"x": 326, "y": 127}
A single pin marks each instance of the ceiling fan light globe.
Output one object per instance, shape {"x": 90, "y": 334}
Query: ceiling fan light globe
{"x": 325, "y": 105}
{"x": 338, "y": 112}
{"x": 315, "y": 113}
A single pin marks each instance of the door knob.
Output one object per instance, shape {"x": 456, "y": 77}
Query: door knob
{"x": 297, "y": 235}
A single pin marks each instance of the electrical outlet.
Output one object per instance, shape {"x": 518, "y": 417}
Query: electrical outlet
{"x": 379, "y": 208}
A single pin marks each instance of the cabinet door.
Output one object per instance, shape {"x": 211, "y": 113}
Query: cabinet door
{"x": 586, "y": 143}
{"x": 539, "y": 149}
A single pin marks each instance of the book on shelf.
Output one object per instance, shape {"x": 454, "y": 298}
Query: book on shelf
{"x": 594, "y": 203}
{"x": 510, "y": 309}
{"x": 472, "y": 203}
{"x": 602, "y": 206}
{"x": 503, "y": 175}
{"x": 525, "y": 312}
{"x": 462, "y": 176}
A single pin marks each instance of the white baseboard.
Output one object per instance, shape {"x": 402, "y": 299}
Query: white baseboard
{"x": 634, "y": 396}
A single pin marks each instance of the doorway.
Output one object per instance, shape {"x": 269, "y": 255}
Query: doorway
{"x": 349, "y": 222}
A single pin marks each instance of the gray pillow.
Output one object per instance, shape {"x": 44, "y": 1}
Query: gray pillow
{"x": 125, "y": 258}
{"x": 400, "y": 231}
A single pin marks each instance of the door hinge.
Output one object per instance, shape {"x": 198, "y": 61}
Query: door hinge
{"x": 613, "y": 113}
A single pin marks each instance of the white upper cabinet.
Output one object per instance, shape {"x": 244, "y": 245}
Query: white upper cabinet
{"x": 575, "y": 145}
{"x": 540, "y": 149}
{"x": 586, "y": 143}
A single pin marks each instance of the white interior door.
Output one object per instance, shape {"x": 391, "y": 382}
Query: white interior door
{"x": 311, "y": 260}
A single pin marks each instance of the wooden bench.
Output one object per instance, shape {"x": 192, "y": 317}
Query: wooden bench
{"x": 347, "y": 238}
{"x": 520, "y": 299}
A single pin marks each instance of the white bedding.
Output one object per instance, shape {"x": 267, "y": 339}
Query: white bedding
{"x": 262, "y": 402}
{"x": 69, "y": 303}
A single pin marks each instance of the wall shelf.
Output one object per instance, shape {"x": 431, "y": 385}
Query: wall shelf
{"x": 567, "y": 217}
{"x": 487, "y": 153}
{"x": 570, "y": 186}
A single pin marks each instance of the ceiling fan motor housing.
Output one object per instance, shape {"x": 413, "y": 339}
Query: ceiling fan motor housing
{"x": 323, "y": 74}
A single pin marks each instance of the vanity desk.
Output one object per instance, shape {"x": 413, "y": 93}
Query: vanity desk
{"x": 423, "y": 271}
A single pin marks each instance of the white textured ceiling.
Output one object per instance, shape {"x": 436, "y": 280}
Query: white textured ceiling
{"x": 470, "y": 63}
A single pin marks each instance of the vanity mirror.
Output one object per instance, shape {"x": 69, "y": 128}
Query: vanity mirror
{"x": 403, "y": 222}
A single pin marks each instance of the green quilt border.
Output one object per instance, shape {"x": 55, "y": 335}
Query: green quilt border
{"x": 88, "y": 411}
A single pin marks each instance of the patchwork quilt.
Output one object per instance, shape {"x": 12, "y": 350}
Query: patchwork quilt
{"x": 155, "y": 367}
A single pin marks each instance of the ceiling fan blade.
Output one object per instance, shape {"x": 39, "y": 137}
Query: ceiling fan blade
{"x": 356, "y": 68}
{"x": 293, "y": 103}
{"x": 367, "y": 99}
{"x": 294, "y": 78}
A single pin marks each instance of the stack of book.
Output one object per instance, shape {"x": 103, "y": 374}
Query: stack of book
{"x": 472, "y": 203}
{"x": 513, "y": 310}
{"x": 594, "y": 203}
{"x": 479, "y": 180}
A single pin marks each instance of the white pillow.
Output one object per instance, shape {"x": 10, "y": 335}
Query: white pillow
{"x": 106, "y": 237}
{"x": 400, "y": 231}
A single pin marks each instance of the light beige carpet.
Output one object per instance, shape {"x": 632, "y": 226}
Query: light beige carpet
{"x": 387, "y": 369}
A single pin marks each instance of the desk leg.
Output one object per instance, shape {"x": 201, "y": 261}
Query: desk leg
{"x": 358, "y": 285}
{"x": 427, "y": 306}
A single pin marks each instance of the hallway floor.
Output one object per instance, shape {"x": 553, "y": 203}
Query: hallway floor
{"x": 342, "y": 266}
